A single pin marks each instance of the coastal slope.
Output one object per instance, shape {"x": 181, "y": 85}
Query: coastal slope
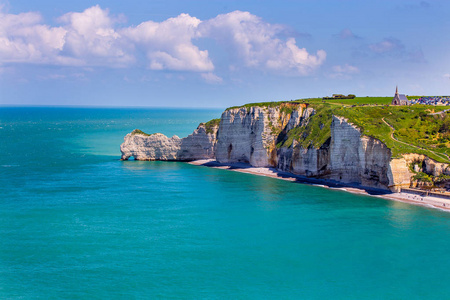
{"x": 309, "y": 140}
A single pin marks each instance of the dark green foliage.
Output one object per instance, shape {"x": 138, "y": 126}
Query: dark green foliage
{"x": 421, "y": 176}
{"x": 340, "y": 96}
{"x": 211, "y": 124}
{"x": 441, "y": 178}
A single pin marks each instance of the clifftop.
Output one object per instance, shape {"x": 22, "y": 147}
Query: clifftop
{"x": 372, "y": 145}
{"x": 404, "y": 129}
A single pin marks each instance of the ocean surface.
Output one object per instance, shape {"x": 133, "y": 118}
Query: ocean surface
{"x": 78, "y": 223}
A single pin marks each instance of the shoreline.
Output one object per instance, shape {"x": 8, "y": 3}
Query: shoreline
{"x": 426, "y": 201}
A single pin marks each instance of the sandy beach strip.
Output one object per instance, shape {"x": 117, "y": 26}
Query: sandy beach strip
{"x": 428, "y": 201}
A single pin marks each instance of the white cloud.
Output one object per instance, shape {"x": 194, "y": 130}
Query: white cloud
{"x": 168, "y": 45}
{"x": 93, "y": 38}
{"x": 24, "y": 40}
{"x": 255, "y": 42}
{"x": 211, "y": 78}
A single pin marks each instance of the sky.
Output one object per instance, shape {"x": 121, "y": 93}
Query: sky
{"x": 210, "y": 53}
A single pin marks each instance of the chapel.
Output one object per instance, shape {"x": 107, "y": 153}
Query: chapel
{"x": 399, "y": 99}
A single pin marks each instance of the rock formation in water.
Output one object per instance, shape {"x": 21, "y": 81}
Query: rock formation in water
{"x": 199, "y": 145}
{"x": 262, "y": 137}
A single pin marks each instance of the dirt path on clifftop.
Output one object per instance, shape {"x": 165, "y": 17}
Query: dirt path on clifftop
{"x": 444, "y": 156}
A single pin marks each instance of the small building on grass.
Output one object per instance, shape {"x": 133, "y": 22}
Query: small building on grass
{"x": 400, "y": 99}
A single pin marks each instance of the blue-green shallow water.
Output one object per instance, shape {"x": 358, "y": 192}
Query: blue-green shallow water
{"x": 77, "y": 223}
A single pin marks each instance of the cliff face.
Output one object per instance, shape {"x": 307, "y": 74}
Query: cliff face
{"x": 257, "y": 135}
{"x": 304, "y": 161}
{"x": 250, "y": 134}
{"x": 199, "y": 145}
{"x": 346, "y": 157}
{"x": 355, "y": 158}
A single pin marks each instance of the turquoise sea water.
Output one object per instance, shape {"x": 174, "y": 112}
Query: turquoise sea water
{"x": 77, "y": 223}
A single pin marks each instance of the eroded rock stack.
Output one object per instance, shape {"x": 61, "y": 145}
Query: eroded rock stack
{"x": 199, "y": 145}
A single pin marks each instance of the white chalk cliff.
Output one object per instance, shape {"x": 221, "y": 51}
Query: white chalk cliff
{"x": 255, "y": 135}
{"x": 199, "y": 145}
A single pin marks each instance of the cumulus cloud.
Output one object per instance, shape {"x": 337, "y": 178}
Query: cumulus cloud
{"x": 93, "y": 38}
{"x": 256, "y": 43}
{"x": 168, "y": 44}
{"x": 24, "y": 40}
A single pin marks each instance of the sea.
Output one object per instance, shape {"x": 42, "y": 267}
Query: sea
{"x": 78, "y": 223}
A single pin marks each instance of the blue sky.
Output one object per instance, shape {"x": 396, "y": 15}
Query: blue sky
{"x": 202, "y": 53}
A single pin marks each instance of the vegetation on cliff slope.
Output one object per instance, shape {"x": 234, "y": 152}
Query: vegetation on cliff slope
{"x": 210, "y": 125}
{"x": 404, "y": 129}
{"x": 315, "y": 132}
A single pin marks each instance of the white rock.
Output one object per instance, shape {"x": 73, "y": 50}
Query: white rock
{"x": 198, "y": 145}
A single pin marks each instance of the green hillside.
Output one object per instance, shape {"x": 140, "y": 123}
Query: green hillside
{"x": 414, "y": 129}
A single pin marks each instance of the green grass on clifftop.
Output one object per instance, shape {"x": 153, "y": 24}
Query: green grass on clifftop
{"x": 346, "y": 102}
{"x": 362, "y": 100}
{"x": 138, "y": 131}
{"x": 415, "y": 130}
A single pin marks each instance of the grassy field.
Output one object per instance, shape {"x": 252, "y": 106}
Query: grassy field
{"x": 345, "y": 102}
{"x": 419, "y": 131}
{"x": 426, "y": 134}
{"x": 355, "y": 101}
{"x": 341, "y": 102}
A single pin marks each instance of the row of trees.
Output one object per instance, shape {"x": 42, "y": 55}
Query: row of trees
{"x": 340, "y": 96}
